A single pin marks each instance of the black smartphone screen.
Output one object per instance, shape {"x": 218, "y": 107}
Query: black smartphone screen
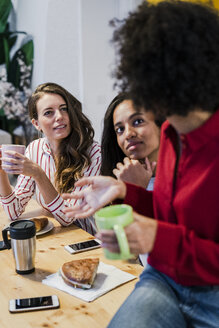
{"x": 26, "y": 303}
{"x": 83, "y": 245}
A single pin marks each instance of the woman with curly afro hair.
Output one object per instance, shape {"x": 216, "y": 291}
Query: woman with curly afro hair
{"x": 169, "y": 63}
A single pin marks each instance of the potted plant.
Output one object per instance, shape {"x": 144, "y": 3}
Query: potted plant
{"x": 16, "y": 64}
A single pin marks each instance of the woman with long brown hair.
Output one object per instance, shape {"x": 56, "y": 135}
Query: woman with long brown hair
{"x": 54, "y": 163}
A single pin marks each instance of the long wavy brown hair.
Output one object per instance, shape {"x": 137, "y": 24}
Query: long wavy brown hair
{"x": 73, "y": 155}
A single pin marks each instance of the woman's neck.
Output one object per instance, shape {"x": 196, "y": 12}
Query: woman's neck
{"x": 153, "y": 156}
{"x": 186, "y": 124}
{"x": 54, "y": 146}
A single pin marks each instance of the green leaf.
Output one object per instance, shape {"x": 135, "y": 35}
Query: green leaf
{"x": 6, "y": 51}
{"x": 5, "y": 8}
{"x": 27, "y": 50}
{"x": 2, "y": 113}
{"x": 14, "y": 71}
{"x": 11, "y": 41}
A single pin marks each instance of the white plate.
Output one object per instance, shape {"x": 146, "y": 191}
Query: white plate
{"x": 46, "y": 229}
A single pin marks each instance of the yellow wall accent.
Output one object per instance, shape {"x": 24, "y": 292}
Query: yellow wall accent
{"x": 214, "y": 2}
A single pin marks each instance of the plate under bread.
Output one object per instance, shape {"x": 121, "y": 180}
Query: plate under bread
{"x": 46, "y": 229}
{"x": 108, "y": 277}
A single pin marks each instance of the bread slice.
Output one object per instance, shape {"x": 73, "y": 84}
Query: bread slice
{"x": 80, "y": 273}
{"x": 40, "y": 223}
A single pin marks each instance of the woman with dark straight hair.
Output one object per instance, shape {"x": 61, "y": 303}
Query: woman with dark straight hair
{"x": 130, "y": 142}
{"x": 130, "y": 145}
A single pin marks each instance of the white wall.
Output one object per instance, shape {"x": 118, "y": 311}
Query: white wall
{"x": 32, "y": 18}
{"x": 62, "y": 52}
{"x": 97, "y": 58}
{"x": 72, "y": 47}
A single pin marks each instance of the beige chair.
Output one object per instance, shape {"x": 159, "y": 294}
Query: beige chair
{"x": 5, "y": 137}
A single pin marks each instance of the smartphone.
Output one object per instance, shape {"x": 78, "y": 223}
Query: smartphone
{"x": 34, "y": 303}
{"x": 2, "y": 245}
{"x": 83, "y": 246}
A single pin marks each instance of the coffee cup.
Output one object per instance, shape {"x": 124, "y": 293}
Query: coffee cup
{"x": 16, "y": 148}
{"x": 116, "y": 217}
{"x": 23, "y": 244}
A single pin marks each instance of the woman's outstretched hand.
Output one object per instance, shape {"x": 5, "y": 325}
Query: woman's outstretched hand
{"x": 99, "y": 192}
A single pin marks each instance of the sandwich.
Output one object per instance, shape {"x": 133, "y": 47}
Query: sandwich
{"x": 80, "y": 273}
{"x": 40, "y": 223}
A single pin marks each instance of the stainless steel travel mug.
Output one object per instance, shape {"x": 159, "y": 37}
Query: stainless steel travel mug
{"x": 23, "y": 244}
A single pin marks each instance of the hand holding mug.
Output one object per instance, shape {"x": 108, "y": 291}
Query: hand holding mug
{"x": 141, "y": 235}
{"x": 114, "y": 218}
{"x": 11, "y": 155}
{"x": 15, "y": 162}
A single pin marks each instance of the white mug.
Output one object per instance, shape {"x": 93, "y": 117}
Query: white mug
{"x": 17, "y": 148}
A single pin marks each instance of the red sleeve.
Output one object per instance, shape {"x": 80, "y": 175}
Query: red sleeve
{"x": 140, "y": 199}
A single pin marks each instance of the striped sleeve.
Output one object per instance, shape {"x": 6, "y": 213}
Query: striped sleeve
{"x": 56, "y": 207}
{"x": 15, "y": 203}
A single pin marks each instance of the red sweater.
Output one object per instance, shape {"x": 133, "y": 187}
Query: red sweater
{"x": 187, "y": 242}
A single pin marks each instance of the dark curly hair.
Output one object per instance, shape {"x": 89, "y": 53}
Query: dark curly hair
{"x": 169, "y": 57}
{"x": 74, "y": 149}
{"x": 110, "y": 150}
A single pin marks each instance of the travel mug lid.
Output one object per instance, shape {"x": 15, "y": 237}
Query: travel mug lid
{"x": 22, "y": 229}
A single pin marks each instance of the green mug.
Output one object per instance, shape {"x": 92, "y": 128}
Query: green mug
{"x": 116, "y": 217}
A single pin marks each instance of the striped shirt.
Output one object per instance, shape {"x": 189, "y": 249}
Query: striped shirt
{"x": 39, "y": 152}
